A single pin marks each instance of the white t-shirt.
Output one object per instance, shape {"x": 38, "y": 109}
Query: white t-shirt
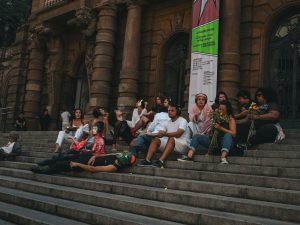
{"x": 135, "y": 117}
{"x": 159, "y": 122}
{"x": 65, "y": 117}
{"x": 180, "y": 123}
{"x": 8, "y": 148}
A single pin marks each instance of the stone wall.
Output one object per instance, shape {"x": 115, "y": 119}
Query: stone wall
{"x": 160, "y": 23}
{"x": 13, "y": 72}
{"x": 258, "y": 18}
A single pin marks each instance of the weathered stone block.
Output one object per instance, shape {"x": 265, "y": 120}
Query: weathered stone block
{"x": 255, "y": 62}
{"x": 104, "y": 49}
{"x": 100, "y": 87}
{"x": 256, "y": 46}
{"x": 33, "y": 87}
{"x": 128, "y": 86}
{"x": 103, "y": 74}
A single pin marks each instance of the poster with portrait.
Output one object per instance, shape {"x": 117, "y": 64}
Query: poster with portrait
{"x": 205, "y": 46}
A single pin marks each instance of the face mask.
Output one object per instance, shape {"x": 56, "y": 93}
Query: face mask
{"x": 94, "y": 130}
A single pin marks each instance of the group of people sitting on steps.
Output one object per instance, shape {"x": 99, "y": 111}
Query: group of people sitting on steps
{"x": 216, "y": 128}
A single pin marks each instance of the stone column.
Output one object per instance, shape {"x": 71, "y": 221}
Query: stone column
{"x": 33, "y": 87}
{"x": 129, "y": 76}
{"x": 229, "y": 66}
{"x": 104, "y": 53}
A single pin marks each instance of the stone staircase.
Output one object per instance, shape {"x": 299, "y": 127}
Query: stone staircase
{"x": 263, "y": 187}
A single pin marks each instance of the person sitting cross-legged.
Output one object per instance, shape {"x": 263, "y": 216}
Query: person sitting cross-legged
{"x": 174, "y": 136}
{"x": 226, "y": 133}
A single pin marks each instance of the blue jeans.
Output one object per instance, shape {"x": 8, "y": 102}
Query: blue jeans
{"x": 142, "y": 143}
{"x": 225, "y": 142}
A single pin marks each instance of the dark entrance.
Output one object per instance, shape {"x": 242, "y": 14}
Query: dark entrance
{"x": 76, "y": 89}
{"x": 284, "y": 67}
{"x": 82, "y": 88}
{"x": 172, "y": 84}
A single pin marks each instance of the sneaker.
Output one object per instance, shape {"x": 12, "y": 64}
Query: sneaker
{"x": 159, "y": 164}
{"x": 224, "y": 161}
{"x": 145, "y": 163}
{"x": 184, "y": 158}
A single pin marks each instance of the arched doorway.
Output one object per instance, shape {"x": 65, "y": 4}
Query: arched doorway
{"x": 173, "y": 79}
{"x": 284, "y": 66}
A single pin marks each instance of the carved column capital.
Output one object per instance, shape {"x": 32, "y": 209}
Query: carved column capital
{"x": 40, "y": 33}
{"x": 108, "y": 4}
{"x": 84, "y": 18}
{"x": 135, "y": 3}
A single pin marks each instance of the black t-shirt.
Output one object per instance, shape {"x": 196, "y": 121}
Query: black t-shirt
{"x": 157, "y": 108}
{"x": 245, "y": 106}
{"x": 264, "y": 109}
{"x": 111, "y": 160}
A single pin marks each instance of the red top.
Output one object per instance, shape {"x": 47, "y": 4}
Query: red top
{"x": 78, "y": 146}
{"x": 99, "y": 146}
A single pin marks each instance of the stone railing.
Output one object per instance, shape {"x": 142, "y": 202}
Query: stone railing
{"x": 50, "y": 3}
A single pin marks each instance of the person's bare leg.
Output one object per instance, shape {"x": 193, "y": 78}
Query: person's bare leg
{"x": 139, "y": 125}
{"x": 57, "y": 148}
{"x": 224, "y": 154}
{"x": 168, "y": 149}
{"x": 155, "y": 143}
{"x": 190, "y": 154}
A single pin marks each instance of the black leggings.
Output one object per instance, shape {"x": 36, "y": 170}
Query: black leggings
{"x": 63, "y": 164}
{"x": 265, "y": 134}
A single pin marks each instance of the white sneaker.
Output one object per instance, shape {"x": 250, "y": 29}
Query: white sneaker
{"x": 224, "y": 161}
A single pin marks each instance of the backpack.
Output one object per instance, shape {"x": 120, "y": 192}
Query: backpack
{"x": 125, "y": 159}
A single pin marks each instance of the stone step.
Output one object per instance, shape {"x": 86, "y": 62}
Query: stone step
{"x": 37, "y": 141}
{"x": 24, "y": 216}
{"x": 28, "y": 159}
{"x": 38, "y": 154}
{"x": 214, "y": 167}
{"x": 40, "y": 149}
{"x": 273, "y": 162}
{"x": 292, "y": 141}
{"x": 167, "y": 211}
{"x": 278, "y": 147}
{"x": 233, "y": 168}
{"x": 16, "y": 165}
{"x": 3, "y": 222}
{"x": 232, "y": 178}
{"x": 151, "y": 187}
{"x": 272, "y": 154}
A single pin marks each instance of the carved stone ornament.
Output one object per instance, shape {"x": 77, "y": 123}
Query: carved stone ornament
{"x": 41, "y": 33}
{"x": 89, "y": 59}
{"x": 178, "y": 21}
{"x": 86, "y": 19}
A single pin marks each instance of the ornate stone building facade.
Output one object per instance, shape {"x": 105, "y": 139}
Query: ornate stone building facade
{"x": 108, "y": 53}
